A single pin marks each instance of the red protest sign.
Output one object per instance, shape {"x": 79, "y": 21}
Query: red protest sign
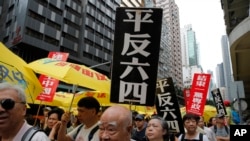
{"x": 198, "y": 93}
{"x": 50, "y": 84}
{"x": 186, "y": 96}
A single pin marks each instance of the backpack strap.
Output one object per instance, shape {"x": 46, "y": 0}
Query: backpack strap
{"x": 78, "y": 130}
{"x": 29, "y": 134}
{"x": 92, "y": 132}
{"x": 200, "y": 137}
{"x": 182, "y": 137}
{"x": 215, "y": 129}
{"x": 226, "y": 128}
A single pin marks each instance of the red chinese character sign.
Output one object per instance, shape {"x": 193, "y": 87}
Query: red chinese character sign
{"x": 198, "y": 93}
{"x": 186, "y": 93}
{"x": 50, "y": 84}
{"x": 136, "y": 55}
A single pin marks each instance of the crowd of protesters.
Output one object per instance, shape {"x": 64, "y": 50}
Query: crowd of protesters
{"x": 116, "y": 123}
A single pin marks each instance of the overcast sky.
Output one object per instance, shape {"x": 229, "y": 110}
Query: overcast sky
{"x": 206, "y": 17}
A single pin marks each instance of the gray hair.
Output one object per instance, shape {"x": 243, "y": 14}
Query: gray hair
{"x": 17, "y": 88}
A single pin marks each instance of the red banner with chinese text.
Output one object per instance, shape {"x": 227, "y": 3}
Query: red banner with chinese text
{"x": 198, "y": 93}
{"x": 50, "y": 84}
{"x": 186, "y": 96}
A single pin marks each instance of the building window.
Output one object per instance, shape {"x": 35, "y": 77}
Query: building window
{"x": 51, "y": 40}
{"x": 33, "y": 33}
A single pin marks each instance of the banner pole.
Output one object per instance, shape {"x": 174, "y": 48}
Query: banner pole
{"x": 38, "y": 110}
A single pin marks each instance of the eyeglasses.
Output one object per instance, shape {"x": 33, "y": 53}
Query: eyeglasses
{"x": 8, "y": 104}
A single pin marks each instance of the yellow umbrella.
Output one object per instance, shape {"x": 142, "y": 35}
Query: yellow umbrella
{"x": 61, "y": 99}
{"x": 146, "y": 110}
{"x": 64, "y": 99}
{"x": 71, "y": 73}
{"x": 103, "y": 98}
{"x": 209, "y": 111}
{"x": 13, "y": 70}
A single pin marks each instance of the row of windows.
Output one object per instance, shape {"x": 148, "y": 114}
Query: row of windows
{"x": 42, "y": 19}
{"x": 55, "y": 9}
{"x": 92, "y": 57}
{"x": 72, "y": 24}
{"x": 72, "y": 11}
{"x": 69, "y": 37}
{"x": 39, "y": 36}
{"x": 91, "y": 43}
{"x": 91, "y": 30}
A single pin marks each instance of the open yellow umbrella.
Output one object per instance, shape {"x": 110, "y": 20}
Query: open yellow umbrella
{"x": 60, "y": 99}
{"x": 71, "y": 73}
{"x": 103, "y": 98}
{"x": 64, "y": 99}
{"x": 13, "y": 70}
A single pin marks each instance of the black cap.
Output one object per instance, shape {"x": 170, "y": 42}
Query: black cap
{"x": 139, "y": 116}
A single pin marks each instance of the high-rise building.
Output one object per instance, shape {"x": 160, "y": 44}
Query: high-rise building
{"x": 132, "y": 3}
{"x": 237, "y": 21}
{"x": 190, "y": 47}
{"x": 190, "y": 55}
{"x": 164, "y": 64}
{"x": 220, "y": 75}
{"x": 227, "y": 65}
{"x": 1, "y": 7}
{"x": 212, "y": 85}
{"x": 171, "y": 16}
{"x": 85, "y": 29}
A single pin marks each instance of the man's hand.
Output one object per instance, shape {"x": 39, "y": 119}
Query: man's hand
{"x": 65, "y": 118}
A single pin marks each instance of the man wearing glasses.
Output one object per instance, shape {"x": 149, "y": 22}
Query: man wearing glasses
{"x": 12, "y": 114}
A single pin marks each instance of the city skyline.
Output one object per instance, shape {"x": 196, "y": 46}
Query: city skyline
{"x": 208, "y": 32}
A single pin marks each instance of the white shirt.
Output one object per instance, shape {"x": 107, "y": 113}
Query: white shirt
{"x": 210, "y": 134}
{"x": 205, "y": 138}
{"x": 84, "y": 133}
{"x": 39, "y": 136}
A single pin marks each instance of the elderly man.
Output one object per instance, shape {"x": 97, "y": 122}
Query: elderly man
{"x": 116, "y": 124}
{"x": 13, "y": 126}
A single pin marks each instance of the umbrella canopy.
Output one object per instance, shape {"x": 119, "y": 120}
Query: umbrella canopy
{"x": 209, "y": 111}
{"x": 64, "y": 99}
{"x": 103, "y": 98}
{"x": 13, "y": 70}
{"x": 61, "y": 99}
{"x": 71, "y": 73}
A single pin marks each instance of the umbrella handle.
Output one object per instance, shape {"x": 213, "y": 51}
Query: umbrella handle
{"x": 73, "y": 91}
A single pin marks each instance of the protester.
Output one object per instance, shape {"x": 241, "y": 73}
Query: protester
{"x": 13, "y": 125}
{"x": 190, "y": 122}
{"x": 88, "y": 109}
{"x": 138, "y": 132}
{"x": 211, "y": 121}
{"x": 74, "y": 123}
{"x": 53, "y": 123}
{"x": 228, "y": 116}
{"x": 116, "y": 124}
{"x": 207, "y": 131}
{"x": 222, "y": 132}
{"x": 158, "y": 130}
{"x": 43, "y": 122}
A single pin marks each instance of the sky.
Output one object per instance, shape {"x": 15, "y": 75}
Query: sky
{"x": 207, "y": 19}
